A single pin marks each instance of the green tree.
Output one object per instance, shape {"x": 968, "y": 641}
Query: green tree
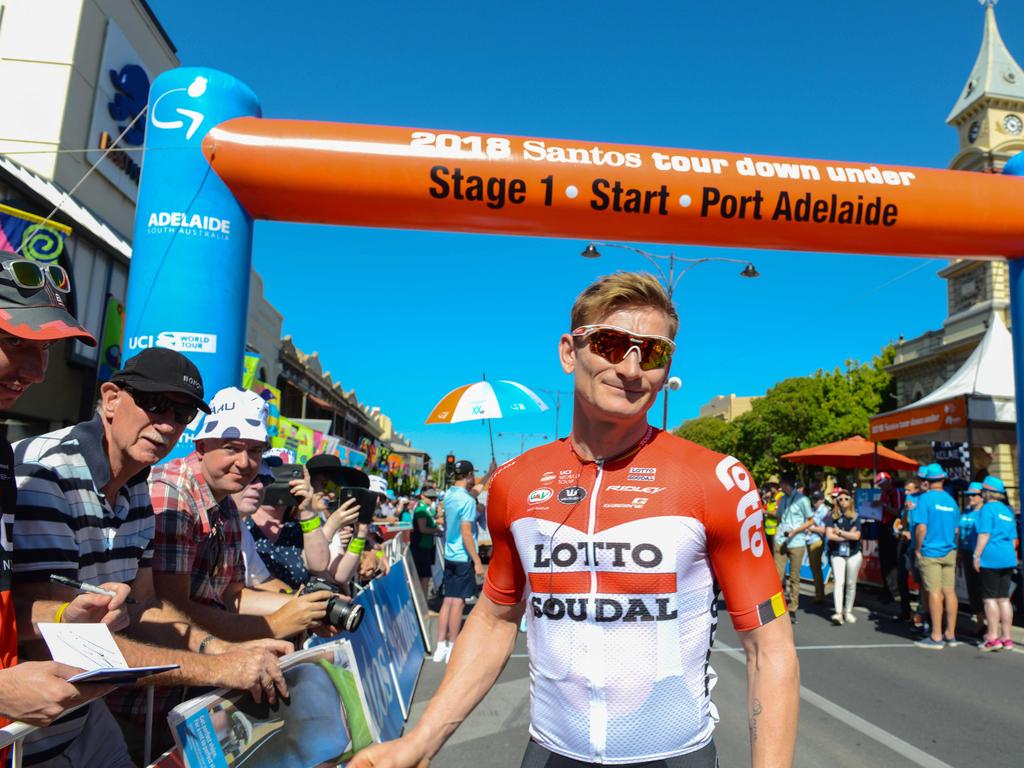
{"x": 710, "y": 432}
{"x": 801, "y": 412}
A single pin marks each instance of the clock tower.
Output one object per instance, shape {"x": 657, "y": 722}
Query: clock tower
{"x": 989, "y": 115}
{"x": 989, "y": 119}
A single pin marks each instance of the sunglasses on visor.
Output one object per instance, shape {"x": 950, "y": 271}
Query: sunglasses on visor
{"x": 614, "y": 343}
{"x": 156, "y": 403}
{"x": 33, "y": 275}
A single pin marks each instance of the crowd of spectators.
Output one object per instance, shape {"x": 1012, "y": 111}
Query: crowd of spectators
{"x": 922, "y": 536}
{"x": 204, "y": 567}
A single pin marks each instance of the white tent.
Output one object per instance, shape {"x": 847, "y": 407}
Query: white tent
{"x": 978, "y": 398}
{"x": 986, "y": 377}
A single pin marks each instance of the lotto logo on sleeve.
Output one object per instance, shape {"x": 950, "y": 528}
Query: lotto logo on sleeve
{"x": 749, "y": 510}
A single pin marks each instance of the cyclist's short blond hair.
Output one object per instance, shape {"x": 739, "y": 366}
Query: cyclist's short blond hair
{"x": 622, "y": 290}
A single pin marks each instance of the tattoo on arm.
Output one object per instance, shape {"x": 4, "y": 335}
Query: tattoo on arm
{"x": 755, "y": 710}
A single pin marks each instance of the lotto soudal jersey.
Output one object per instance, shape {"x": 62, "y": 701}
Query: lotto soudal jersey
{"x": 621, "y": 561}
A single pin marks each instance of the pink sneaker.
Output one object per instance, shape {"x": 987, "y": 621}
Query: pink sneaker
{"x": 1007, "y": 644}
{"x": 991, "y": 645}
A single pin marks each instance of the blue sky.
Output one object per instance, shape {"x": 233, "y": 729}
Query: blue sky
{"x": 403, "y": 317}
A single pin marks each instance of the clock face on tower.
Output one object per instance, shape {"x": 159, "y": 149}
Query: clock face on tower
{"x": 973, "y": 131}
{"x": 1013, "y": 125}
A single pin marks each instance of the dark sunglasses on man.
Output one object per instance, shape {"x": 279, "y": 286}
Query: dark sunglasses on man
{"x": 158, "y": 403}
{"x": 614, "y": 343}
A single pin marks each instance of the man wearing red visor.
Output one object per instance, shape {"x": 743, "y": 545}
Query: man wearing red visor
{"x": 615, "y": 542}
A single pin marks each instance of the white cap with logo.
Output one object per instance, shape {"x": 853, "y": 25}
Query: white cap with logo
{"x": 236, "y": 414}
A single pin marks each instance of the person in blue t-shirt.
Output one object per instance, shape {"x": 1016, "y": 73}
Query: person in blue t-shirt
{"x": 461, "y": 560}
{"x": 995, "y": 557}
{"x": 968, "y": 540}
{"x": 938, "y": 518}
{"x": 905, "y": 554}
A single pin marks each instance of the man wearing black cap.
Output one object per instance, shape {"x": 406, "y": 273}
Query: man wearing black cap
{"x": 32, "y": 317}
{"x": 84, "y": 512}
{"x": 461, "y": 560}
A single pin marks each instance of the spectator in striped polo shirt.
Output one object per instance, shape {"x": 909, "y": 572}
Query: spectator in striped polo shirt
{"x": 84, "y": 512}
{"x": 32, "y": 318}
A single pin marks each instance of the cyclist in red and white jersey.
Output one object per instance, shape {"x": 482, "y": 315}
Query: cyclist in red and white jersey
{"x": 616, "y": 542}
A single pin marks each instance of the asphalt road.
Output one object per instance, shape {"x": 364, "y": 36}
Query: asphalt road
{"x": 869, "y": 697}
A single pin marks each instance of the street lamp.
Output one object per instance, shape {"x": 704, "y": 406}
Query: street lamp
{"x": 670, "y": 280}
{"x": 557, "y": 395}
{"x": 674, "y": 383}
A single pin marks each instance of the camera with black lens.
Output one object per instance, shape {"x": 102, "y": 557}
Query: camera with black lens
{"x": 341, "y": 614}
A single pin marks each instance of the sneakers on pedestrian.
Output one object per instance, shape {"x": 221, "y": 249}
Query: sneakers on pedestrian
{"x": 850, "y": 618}
{"x": 951, "y": 642}
{"x": 991, "y": 645}
{"x": 441, "y": 653}
{"x": 792, "y": 618}
{"x": 930, "y": 644}
{"x": 837, "y": 619}
{"x": 1007, "y": 643}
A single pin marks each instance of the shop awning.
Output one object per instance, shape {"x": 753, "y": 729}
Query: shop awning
{"x": 979, "y": 396}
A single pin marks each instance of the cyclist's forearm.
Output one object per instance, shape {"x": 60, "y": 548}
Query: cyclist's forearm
{"x": 483, "y": 648}
{"x": 773, "y": 700}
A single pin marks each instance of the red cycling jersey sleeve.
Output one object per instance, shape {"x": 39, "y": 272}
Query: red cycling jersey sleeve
{"x": 506, "y": 580}
{"x": 740, "y": 557}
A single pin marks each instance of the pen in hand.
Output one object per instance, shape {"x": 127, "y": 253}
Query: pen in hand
{"x": 83, "y": 587}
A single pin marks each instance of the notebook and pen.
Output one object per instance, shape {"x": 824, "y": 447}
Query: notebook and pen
{"x": 91, "y": 647}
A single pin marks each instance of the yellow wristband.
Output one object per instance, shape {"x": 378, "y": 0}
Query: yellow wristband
{"x": 380, "y": 553}
{"x": 310, "y": 525}
{"x": 356, "y": 546}
{"x": 59, "y": 616}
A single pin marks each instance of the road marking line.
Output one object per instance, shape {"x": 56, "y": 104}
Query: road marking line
{"x": 872, "y": 731}
{"x": 843, "y": 647}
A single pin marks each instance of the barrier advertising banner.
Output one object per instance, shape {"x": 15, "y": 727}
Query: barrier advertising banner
{"x": 324, "y": 721}
{"x": 397, "y": 616}
{"x": 369, "y": 647}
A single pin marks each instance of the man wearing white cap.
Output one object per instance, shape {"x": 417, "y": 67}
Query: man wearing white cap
{"x": 198, "y": 564}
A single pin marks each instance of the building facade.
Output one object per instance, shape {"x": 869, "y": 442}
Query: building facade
{"x": 73, "y": 72}
{"x": 726, "y": 407}
{"x": 989, "y": 119}
{"x": 76, "y": 77}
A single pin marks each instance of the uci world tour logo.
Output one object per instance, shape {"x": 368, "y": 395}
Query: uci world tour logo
{"x": 539, "y": 495}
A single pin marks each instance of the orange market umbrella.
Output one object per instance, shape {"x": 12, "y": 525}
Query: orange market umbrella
{"x": 852, "y": 453}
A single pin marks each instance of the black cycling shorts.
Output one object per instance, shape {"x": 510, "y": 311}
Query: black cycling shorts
{"x": 538, "y": 757}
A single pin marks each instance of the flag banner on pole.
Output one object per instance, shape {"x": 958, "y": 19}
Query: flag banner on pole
{"x": 32, "y": 236}
{"x": 250, "y": 367}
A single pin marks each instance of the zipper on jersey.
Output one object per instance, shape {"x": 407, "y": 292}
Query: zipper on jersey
{"x": 592, "y": 526}
{"x": 595, "y": 648}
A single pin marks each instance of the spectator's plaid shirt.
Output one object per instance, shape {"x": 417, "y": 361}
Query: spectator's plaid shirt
{"x": 195, "y": 534}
